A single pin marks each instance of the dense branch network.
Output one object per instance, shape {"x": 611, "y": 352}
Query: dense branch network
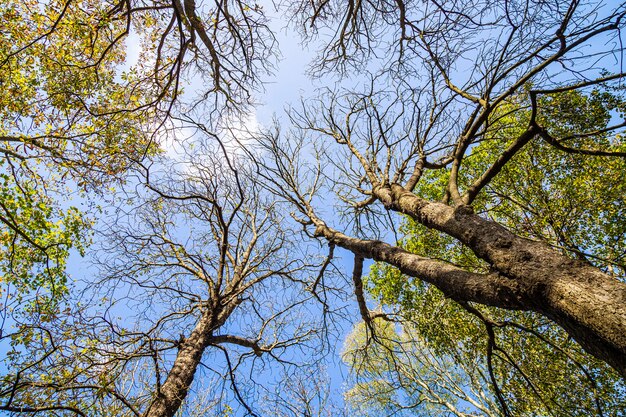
{"x": 478, "y": 126}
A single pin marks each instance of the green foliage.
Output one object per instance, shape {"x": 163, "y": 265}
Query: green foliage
{"x": 542, "y": 193}
{"x": 37, "y": 237}
{"x": 398, "y": 373}
{"x": 538, "y": 368}
{"x": 64, "y": 103}
{"x": 71, "y": 117}
{"x": 554, "y": 196}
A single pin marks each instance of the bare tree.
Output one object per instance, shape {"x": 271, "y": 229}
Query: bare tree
{"x": 442, "y": 82}
{"x": 86, "y": 88}
{"x": 200, "y": 276}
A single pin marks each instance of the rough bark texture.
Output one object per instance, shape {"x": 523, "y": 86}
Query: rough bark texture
{"x": 174, "y": 390}
{"x": 588, "y": 304}
{"x": 171, "y": 394}
{"x": 488, "y": 289}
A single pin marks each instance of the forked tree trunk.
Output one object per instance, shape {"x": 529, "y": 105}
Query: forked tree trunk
{"x": 528, "y": 275}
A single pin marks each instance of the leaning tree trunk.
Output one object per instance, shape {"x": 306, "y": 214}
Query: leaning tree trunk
{"x": 528, "y": 275}
{"x": 169, "y": 397}
{"x": 171, "y": 394}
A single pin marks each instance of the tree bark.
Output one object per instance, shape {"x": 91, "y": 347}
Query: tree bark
{"x": 174, "y": 390}
{"x": 171, "y": 394}
{"x": 528, "y": 275}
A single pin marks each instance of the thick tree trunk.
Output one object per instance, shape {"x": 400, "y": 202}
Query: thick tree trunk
{"x": 529, "y": 275}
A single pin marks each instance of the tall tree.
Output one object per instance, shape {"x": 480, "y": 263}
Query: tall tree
{"x": 198, "y": 276}
{"x": 86, "y": 87}
{"x": 437, "y": 77}
{"x": 441, "y": 86}
{"x": 524, "y": 358}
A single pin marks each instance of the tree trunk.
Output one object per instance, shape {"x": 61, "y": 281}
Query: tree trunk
{"x": 171, "y": 394}
{"x": 528, "y": 275}
{"x": 174, "y": 390}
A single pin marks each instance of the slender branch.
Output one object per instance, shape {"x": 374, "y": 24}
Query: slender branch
{"x": 543, "y": 133}
{"x": 497, "y": 166}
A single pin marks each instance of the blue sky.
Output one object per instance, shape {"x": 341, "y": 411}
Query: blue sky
{"x": 288, "y": 84}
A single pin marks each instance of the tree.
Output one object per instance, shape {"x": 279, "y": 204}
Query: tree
{"x": 421, "y": 113}
{"x": 467, "y": 365}
{"x": 171, "y": 304}
{"x": 439, "y": 81}
{"x": 516, "y": 355}
{"x": 76, "y": 110}
{"x": 63, "y": 118}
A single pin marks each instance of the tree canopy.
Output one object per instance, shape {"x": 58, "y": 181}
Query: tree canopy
{"x": 473, "y": 150}
{"x": 485, "y": 349}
